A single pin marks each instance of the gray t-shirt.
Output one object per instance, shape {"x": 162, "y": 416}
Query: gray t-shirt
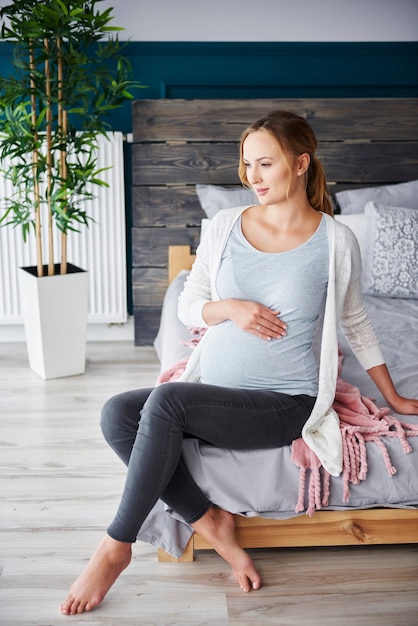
{"x": 292, "y": 282}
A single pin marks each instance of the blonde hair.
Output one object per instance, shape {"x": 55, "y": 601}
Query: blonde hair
{"x": 295, "y": 137}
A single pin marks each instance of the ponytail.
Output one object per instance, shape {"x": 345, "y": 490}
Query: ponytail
{"x": 316, "y": 188}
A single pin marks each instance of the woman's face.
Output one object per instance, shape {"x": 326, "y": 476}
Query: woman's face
{"x": 267, "y": 168}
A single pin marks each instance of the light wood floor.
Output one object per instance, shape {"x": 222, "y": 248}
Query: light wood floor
{"x": 59, "y": 489}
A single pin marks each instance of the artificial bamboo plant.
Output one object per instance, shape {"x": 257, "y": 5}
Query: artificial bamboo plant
{"x": 69, "y": 74}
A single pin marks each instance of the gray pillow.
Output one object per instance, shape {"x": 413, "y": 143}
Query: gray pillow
{"x": 403, "y": 195}
{"x": 213, "y": 198}
{"x": 391, "y": 255}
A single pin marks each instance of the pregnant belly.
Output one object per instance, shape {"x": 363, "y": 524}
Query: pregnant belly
{"x": 233, "y": 358}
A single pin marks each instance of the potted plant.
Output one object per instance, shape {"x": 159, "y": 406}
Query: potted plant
{"x": 69, "y": 74}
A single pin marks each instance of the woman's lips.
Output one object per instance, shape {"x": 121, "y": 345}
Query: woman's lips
{"x": 261, "y": 192}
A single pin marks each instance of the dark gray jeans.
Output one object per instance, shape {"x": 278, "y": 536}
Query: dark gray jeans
{"x": 146, "y": 428}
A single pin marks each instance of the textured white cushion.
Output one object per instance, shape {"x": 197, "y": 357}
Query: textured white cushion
{"x": 354, "y": 200}
{"x": 391, "y": 256}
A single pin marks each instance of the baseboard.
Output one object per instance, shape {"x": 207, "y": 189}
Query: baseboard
{"x": 11, "y": 333}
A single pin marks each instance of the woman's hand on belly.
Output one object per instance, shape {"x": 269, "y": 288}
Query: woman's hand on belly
{"x": 249, "y": 316}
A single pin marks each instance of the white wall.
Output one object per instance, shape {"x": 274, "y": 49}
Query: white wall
{"x": 266, "y": 20}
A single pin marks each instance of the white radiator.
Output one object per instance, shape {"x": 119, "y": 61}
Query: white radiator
{"x": 100, "y": 248}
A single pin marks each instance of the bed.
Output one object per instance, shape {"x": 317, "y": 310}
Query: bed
{"x": 367, "y": 164}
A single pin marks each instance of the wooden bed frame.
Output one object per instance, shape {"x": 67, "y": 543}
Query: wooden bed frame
{"x": 179, "y": 143}
{"x": 324, "y": 528}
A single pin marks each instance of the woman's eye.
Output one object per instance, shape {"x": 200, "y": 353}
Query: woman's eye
{"x": 265, "y": 164}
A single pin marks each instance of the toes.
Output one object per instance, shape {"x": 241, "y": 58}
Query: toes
{"x": 248, "y": 582}
{"x": 256, "y": 583}
{"x": 244, "y": 584}
{"x": 72, "y": 606}
{"x": 66, "y": 607}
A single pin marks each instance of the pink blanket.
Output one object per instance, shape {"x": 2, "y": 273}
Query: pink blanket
{"x": 360, "y": 421}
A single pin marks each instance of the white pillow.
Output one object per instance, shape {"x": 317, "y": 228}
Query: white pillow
{"x": 354, "y": 200}
{"x": 358, "y": 224}
{"x": 391, "y": 257}
{"x": 213, "y": 198}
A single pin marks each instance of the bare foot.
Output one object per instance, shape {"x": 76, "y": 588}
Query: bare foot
{"x": 107, "y": 563}
{"x": 218, "y": 528}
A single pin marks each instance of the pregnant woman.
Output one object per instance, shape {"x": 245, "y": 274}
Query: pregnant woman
{"x": 271, "y": 282}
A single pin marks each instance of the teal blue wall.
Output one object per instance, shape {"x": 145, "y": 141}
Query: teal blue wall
{"x": 274, "y": 70}
{"x": 265, "y": 70}
{"x": 262, "y": 70}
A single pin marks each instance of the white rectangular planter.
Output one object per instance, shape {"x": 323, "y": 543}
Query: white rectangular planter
{"x": 55, "y": 317}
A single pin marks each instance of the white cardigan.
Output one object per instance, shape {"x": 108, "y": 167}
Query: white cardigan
{"x": 343, "y": 306}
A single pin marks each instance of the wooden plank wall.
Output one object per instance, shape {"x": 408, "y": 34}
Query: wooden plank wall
{"x": 179, "y": 143}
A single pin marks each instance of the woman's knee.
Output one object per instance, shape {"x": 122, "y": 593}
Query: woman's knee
{"x": 109, "y": 416}
{"x": 123, "y": 411}
{"x": 167, "y": 399}
{"x": 120, "y": 411}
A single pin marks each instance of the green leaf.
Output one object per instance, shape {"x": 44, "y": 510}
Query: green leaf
{"x": 96, "y": 80}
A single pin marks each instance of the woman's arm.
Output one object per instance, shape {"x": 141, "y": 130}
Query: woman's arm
{"x": 355, "y": 322}
{"x": 364, "y": 342}
{"x": 381, "y": 377}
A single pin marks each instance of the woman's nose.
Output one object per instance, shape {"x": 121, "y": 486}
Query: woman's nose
{"x": 254, "y": 176}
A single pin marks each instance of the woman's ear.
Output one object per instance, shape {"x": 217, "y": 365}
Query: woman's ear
{"x": 303, "y": 162}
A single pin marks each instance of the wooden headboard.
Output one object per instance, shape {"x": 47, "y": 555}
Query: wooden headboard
{"x": 179, "y": 143}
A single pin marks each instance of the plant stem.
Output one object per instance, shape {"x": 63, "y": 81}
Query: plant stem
{"x": 62, "y": 129}
{"x": 35, "y": 167}
{"x": 49, "y": 159}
